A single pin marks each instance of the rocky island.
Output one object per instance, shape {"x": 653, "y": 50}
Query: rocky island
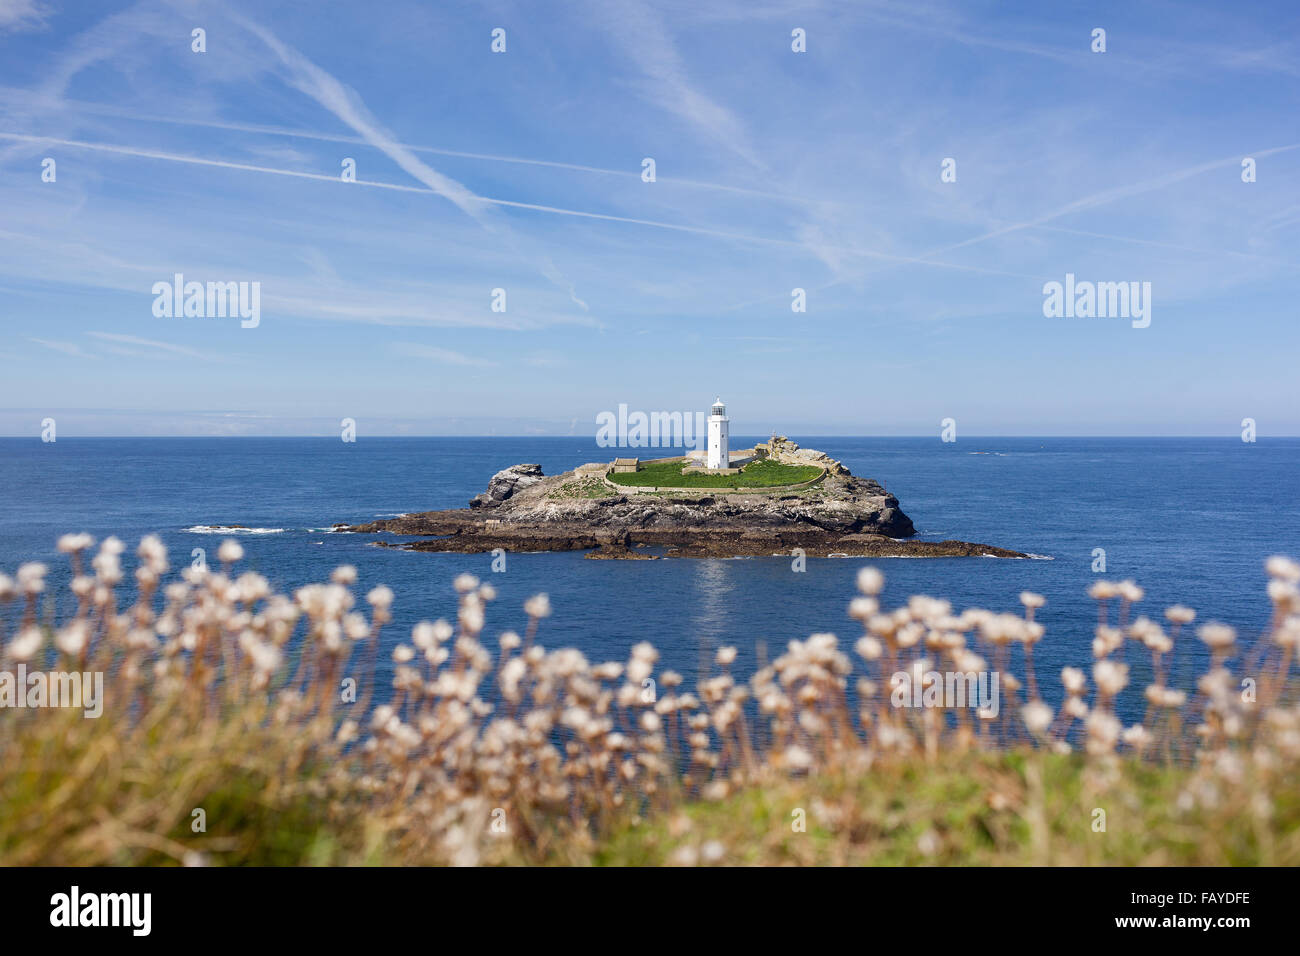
{"x": 613, "y": 510}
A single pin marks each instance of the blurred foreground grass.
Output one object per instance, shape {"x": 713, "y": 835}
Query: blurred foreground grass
{"x": 237, "y": 729}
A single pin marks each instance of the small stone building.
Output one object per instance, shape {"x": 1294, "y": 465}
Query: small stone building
{"x": 625, "y": 464}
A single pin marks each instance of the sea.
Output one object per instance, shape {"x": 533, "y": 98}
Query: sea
{"x": 1191, "y": 520}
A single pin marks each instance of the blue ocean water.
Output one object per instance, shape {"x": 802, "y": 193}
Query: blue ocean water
{"x": 1191, "y": 520}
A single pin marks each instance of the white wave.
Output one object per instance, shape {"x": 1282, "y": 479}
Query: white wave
{"x": 231, "y": 529}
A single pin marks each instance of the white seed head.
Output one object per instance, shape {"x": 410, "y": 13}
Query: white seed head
{"x": 1037, "y": 716}
{"x": 230, "y": 551}
{"x": 1031, "y": 600}
{"x": 1217, "y": 636}
{"x": 1073, "y": 680}
{"x": 870, "y": 581}
{"x": 1283, "y": 568}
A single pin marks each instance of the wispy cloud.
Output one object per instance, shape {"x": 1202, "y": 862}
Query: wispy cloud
{"x": 23, "y": 14}
{"x": 96, "y": 260}
{"x": 150, "y": 344}
{"x": 347, "y": 105}
{"x": 67, "y": 348}
{"x": 1107, "y": 196}
{"x": 546, "y": 360}
{"x": 432, "y": 353}
{"x": 776, "y": 170}
{"x": 101, "y": 109}
{"x": 644, "y": 39}
{"x": 825, "y": 251}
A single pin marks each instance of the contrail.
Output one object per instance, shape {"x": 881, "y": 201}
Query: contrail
{"x": 348, "y": 107}
{"x": 1169, "y": 245}
{"x": 104, "y": 110}
{"x": 148, "y": 343}
{"x": 1110, "y": 195}
{"x": 200, "y": 161}
{"x": 1097, "y": 199}
{"x": 346, "y": 104}
{"x": 487, "y": 200}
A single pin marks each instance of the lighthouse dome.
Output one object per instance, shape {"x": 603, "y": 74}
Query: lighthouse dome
{"x": 719, "y": 409}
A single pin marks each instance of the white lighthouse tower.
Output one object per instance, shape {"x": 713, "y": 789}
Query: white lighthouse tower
{"x": 719, "y": 449}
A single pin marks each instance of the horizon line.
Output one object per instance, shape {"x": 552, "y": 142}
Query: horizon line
{"x": 335, "y": 437}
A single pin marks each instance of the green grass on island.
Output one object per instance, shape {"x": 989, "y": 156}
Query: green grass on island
{"x": 758, "y": 474}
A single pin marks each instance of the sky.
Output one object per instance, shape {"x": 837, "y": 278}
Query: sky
{"x": 524, "y": 171}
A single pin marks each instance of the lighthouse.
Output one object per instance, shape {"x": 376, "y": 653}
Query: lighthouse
{"x": 719, "y": 450}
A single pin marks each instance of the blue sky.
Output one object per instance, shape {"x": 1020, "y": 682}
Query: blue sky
{"x": 522, "y": 171}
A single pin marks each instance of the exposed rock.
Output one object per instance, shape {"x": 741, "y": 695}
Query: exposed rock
{"x": 506, "y": 483}
{"x": 842, "y": 515}
{"x": 779, "y": 448}
{"x": 619, "y": 553}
